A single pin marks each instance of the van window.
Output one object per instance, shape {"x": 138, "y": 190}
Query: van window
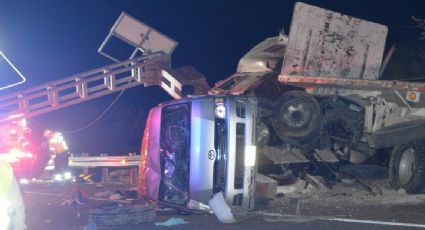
{"x": 175, "y": 154}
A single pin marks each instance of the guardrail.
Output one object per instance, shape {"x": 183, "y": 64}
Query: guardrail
{"x": 104, "y": 161}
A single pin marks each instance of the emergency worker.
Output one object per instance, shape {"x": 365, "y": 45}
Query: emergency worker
{"x": 12, "y": 212}
{"x": 42, "y": 155}
{"x": 59, "y": 149}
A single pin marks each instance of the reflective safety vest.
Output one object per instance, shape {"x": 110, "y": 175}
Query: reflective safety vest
{"x": 57, "y": 143}
{"x": 6, "y": 177}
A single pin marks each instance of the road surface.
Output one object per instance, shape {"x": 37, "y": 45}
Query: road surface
{"x": 45, "y": 212}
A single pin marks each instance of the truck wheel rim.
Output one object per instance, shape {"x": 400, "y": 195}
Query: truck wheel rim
{"x": 406, "y": 166}
{"x": 296, "y": 114}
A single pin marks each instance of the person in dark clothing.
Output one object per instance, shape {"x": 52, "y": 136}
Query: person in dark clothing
{"x": 59, "y": 148}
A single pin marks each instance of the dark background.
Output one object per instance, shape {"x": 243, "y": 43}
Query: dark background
{"x": 49, "y": 40}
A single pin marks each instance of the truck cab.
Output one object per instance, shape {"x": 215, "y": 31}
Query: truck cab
{"x": 198, "y": 146}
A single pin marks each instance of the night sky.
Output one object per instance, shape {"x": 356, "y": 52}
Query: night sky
{"x": 49, "y": 40}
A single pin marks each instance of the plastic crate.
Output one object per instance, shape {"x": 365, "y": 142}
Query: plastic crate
{"x": 121, "y": 215}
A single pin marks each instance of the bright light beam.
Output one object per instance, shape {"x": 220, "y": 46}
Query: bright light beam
{"x": 23, "y": 79}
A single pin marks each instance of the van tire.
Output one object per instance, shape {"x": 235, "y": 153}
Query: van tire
{"x": 297, "y": 119}
{"x": 407, "y": 167}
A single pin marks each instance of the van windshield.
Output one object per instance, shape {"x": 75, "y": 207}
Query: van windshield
{"x": 174, "y": 152}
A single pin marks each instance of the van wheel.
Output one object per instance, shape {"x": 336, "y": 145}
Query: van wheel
{"x": 297, "y": 118}
{"x": 407, "y": 167}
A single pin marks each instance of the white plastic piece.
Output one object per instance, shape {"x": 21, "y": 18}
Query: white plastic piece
{"x": 67, "y": 175}
{"x": 221, "y": 210}
{"x": 58, "y": 177}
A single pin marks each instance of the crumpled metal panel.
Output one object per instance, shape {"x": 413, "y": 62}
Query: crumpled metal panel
{"x": 150, "y": 166}
{"x": 265, "y": 56}
{"x": 326, "y": 43}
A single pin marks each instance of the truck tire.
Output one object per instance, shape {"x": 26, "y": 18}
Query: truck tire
{"x": 297, "y": 119}
{"x": 407, "y": 167}
{"x": 398, "y": 134}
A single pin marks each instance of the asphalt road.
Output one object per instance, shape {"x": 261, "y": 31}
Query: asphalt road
{"x": 45, "y": 212}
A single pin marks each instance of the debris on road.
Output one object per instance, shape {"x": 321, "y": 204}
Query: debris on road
{"x": 119, "y": 173}
{"x": 121, "y": 215}
{"x": 304, "y": 184}
{"x": 102, "y": 194}
{"x": 265, "y": 187}
{"x": 325, "y": 155}
{"x": 172, "y": 222}
{"x": 78, "y": 197}
{"x": 317, "y": 182}
{"x": 221, "y": 210}
{"x": 117, "y": 195}
{"x": 299, "y": 186}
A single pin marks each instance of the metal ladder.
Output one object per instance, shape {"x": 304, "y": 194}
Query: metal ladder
{"x": 89, "y": 85}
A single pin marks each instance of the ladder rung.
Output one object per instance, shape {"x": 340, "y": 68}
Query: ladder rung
{"x": 82, "y": 87}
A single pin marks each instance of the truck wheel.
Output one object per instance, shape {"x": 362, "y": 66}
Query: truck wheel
{"x": 297, "y": 118}
{"x": 407, "y": 167}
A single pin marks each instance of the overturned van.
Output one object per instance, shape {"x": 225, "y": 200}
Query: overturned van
{"x": 195, "y": 147}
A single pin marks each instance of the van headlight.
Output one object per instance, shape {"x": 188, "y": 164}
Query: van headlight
{"x": 220, "y": 108}
{"x": 250, "y": 155}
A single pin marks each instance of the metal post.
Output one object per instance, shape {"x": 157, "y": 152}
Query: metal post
{"x": 131, "y": 177}
{"x": 105, "y": 171}
{"x": 85, "y": 169}
{"x": 132, "y": 173}
{"x": 105, "y": 175}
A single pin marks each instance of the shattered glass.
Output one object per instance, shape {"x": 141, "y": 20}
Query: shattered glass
{"x": 175, "y": 146}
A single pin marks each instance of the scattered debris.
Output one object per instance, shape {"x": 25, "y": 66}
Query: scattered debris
{"x": 119, "y": 173}
{"x": 171, "y": 222}
{"x": 78, "y": 197}
{"x": 102, "y": 194}
{"x": 117, "y": 195}
{"x": 99, "y": 185}
{"x": 265, "y": 187}
{"x": 317, "y": 182}
{"x": 325, "y": 155}
{"x": 299, "y": 187}
{"x": 221, "y": 210}
{"x": 198, "y": 206}
{"x": 284, "y": 154}
{"x": 286, "y": 178}
{"x": 120, "y": 215}
{"x": 348, "y": 181}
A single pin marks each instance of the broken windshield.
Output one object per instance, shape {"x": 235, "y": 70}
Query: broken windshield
{"x": 175, "y": 147}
